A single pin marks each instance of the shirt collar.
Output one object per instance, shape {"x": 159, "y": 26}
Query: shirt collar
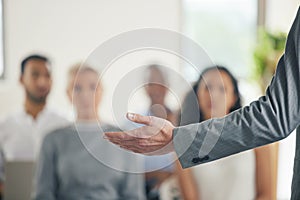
{"x": 29, "y": 117}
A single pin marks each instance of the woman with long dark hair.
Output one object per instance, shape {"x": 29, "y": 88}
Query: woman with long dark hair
{"x": 248, "y": 175}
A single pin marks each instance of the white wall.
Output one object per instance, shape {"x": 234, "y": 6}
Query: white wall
{"x": 68, "y": 31}
{"x": 280, "y": 14}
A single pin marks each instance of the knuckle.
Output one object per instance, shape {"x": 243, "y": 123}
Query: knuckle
{"x": 150, "y": 120}
{"x": 137, "y": 117}
{"x": 142, "y": 143}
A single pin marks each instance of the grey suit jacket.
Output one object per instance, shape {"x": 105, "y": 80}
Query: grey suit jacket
{"x": 269, "y": 119}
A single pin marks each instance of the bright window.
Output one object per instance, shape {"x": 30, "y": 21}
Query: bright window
{"x": 226, "y": 29}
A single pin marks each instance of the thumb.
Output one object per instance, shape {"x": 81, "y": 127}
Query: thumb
{"x": 139, "y": 118}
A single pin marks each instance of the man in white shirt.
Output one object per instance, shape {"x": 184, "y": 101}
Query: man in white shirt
{"x": 21, "y": 133}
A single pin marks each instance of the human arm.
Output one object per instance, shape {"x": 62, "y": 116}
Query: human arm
{"x": 133, "y": 186}
{"x": 269, "y": 119}
{"x": 46, "y": 179}
{"x": 266, "y": 171}
{"x": 2, "y": 160}
{"x": 187, "y": 183}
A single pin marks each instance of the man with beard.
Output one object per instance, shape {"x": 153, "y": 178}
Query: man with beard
{"x": 21, "y": 133}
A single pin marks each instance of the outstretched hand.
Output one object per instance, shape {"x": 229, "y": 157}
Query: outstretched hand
{"x": 155, "y": 138}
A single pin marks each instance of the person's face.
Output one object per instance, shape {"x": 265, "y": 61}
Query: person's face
{"x": 156, "y": 92}
{"x": 85, "y": 93}
{"x": 36, "y": 80}
{"x": 216, "y": 94}
{"x": 156, "y": 89}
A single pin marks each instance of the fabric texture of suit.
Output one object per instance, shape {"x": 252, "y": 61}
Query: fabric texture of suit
{"x": 269, "y": 119}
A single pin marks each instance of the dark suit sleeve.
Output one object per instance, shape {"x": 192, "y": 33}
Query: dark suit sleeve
{"x": 269, "y": 119}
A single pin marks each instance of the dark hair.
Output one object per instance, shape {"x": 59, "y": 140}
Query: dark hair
{"x": 32, "y": 57}
{"x": 238, "y": 103}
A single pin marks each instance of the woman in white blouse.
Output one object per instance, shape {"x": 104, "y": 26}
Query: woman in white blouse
{"x": 248, "y": 175}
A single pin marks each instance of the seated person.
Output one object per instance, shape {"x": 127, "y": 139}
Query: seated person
{"x": 158, "y": 168}
{"x": 248, "y": 175}
{"x": 69, "y": 165}
{"x": 22, "y": 132}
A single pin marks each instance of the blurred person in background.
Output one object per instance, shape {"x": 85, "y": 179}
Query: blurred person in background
{"x": 158, "y": 168}
{"x": 248, "y": 175}
{"x": 22, "y": 132}
{"x": 270, "y": 118}
{"x": 69, "y": 168}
